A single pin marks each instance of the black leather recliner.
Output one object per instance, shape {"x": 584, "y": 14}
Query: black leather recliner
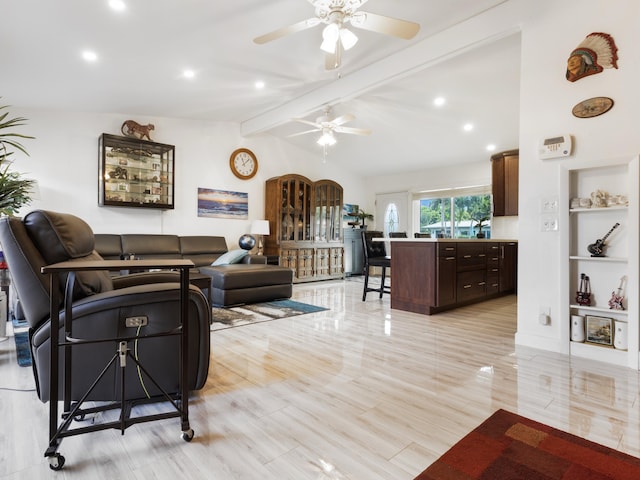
{"x": 100, "y": 306}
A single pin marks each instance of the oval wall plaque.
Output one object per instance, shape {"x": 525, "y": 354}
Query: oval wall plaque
{"x": 592, "y": 107}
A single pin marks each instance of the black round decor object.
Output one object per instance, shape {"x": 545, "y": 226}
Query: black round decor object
{"x": 247, "y": 242}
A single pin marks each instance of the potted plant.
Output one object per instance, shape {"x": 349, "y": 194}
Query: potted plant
{"x": 15, "y": 191}
{"x": 362, "y": 215}
{"x": 481, "y": 222}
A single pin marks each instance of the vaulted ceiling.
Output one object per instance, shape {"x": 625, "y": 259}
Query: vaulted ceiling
{"x": 143, "y": 51}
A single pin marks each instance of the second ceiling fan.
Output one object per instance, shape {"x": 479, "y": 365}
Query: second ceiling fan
{"x": 329, "y": 125}
{"x": 336, "y": 37}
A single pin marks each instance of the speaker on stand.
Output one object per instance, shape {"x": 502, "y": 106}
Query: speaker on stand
{"x": 577, "y": 328}
{"x": 620, "y": 335}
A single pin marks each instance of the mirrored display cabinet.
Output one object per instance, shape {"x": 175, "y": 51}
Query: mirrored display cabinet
{"x": 135, "y": 173}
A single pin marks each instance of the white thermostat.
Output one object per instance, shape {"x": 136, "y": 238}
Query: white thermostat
{"x": 555, "y": 147}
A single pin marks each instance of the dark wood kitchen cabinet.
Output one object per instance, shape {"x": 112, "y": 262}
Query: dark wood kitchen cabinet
{"x": 504, "y": 183}
{"x": 431, "y": 275}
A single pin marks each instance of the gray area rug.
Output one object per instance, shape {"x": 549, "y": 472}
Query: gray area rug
{"x": 259, "y": 312}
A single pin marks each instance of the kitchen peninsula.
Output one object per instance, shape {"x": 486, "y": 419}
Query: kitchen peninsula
{"x": 430, "y": 275}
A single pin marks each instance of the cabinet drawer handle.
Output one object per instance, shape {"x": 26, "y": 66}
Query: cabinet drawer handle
{"x": 466, "y": 256}
{"x": 466, "y": 286}
{"x": 450, "y": 258}
{"x": 481, "y": 255}
{"x": 495, "y": 284}
{"x": 482, "y": 283}
{"x": 448, "y": 249}
{"x": 495, "y": 270}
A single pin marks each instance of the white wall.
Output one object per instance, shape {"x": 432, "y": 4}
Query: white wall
{"x": 64, "y": 160}
{"x": 553, "y": 28}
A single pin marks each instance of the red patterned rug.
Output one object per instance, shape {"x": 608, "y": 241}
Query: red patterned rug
{"x": 508, "y": 447}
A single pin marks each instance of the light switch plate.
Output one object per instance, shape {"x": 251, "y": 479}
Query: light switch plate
{"x": 549, "y": 205}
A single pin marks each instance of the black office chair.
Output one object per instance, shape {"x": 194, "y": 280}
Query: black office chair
{"x": 397, "y": 234}
{"x": 375, "y": 255}
{"x": 421, "y": 235}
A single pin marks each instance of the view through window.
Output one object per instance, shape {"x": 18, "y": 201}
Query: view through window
{"x": 456, "y": 216}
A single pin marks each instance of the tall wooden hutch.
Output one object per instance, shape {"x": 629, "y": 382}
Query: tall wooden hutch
{"x": 305, "y": 220}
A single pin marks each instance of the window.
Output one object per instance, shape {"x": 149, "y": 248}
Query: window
{"x": 456, "y": 214}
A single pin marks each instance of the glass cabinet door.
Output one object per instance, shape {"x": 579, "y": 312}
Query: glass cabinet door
{"x": 296, "y": 215}
{"x": 328, "y": 211}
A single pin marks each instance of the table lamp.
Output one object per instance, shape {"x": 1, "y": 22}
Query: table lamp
{"x": 260, "y": 228}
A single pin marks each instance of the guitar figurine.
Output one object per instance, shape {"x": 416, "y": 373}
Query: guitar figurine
{"x": 615, "y": 303}
{"x": 597, "y": 249}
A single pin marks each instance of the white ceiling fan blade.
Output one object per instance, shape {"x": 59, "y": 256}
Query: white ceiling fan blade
{"x": 354, "y": 131}
{"x": 307, "y": 122}
{"x": 342, "y": 119}
{"x": 281, "y": 32}
{"x": 305, "y": 132}
{"x": 383, "y": 24}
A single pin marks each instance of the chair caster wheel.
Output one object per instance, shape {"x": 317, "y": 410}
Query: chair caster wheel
{"x": 56, "y": 462}
{"x": 187, "y": 435}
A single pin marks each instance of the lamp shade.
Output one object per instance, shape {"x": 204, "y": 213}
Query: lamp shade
{"x": 260, "y": 227}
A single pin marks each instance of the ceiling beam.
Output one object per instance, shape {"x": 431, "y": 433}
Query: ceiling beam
{"x": 489, "y": 26}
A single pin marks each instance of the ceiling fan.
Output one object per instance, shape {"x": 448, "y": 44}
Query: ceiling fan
{"x": 336, "y": 37}
{"x": 328, "y": 126}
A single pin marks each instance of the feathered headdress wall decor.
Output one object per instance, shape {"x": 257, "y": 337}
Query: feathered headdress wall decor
{"x": 596, "y": 52}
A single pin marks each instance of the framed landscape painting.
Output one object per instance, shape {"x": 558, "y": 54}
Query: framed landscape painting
{"x": 223, "y": 204}
{"x": 599, "y": 330}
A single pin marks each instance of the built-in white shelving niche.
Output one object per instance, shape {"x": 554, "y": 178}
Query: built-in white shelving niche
{"x": 581, "y": 227}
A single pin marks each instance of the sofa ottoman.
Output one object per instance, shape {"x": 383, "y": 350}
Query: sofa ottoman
{"x": 248, "y": 283}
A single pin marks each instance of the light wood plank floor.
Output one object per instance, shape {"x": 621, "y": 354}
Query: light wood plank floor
{"x": 357, "y": 392}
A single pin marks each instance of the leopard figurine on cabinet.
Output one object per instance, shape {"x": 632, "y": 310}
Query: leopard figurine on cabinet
{"x": 131, "y": 128}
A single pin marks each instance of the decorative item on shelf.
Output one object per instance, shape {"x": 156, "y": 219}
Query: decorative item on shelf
{"x": 131, "y": 128}
{"x": 260, "y": 228}
{"x": 617, "y": 297}
{"x": 597, "y": 249}
{"x": 621, "y": 335}
{"x": 599, "y": 330}
{"x": 577, "y": 328}
{"x": 480, "y": 223}
{"x": 583, "y": 295}
{"x": 599, "y": 199}
{"x": 595, "y": 53}
{"x": 247, "y": 242}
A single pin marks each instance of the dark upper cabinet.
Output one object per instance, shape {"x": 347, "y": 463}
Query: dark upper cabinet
{"x": 504, "y": 183}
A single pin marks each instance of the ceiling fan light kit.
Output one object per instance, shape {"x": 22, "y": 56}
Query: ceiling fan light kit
{"x": 327, "y": 138}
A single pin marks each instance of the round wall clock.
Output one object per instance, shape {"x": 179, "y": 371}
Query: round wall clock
{"x": 592, "y": 107}
{"x": 243, "y": 163}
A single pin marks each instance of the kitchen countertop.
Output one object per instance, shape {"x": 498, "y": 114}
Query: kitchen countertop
{"x": 443, "y": 240}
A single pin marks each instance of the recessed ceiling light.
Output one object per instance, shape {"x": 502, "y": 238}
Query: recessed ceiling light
{"x": 89, "y": 56}
{"x": 439, "y": 101}
{"x": 467, "y": 127}
{"x": 491, "y": 147}
{"x": 188, "y": 74}
{"x": 117, "y": 5}
{"x": 259, "y": 85}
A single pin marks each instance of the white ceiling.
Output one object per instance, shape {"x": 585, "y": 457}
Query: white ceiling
{"x": 143, "y": 51}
